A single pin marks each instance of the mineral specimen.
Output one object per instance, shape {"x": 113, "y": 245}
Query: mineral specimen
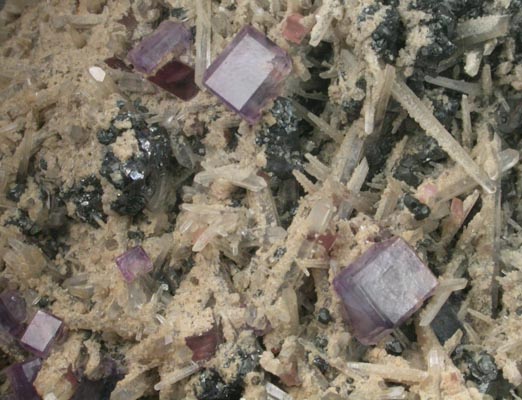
{"x": 21, "y": 377}
{"x": 204, "y": 346}
{"x": 41, "y": 333}
{"x": 12, "y": 311}
{"x": 249, "y": 73}
{"x": 293, "y": 30}
{"x": 382, "y": 288}
{"x": 176, "y": 78}
{"x": 133, "y": 263}
{"x": 170, "y": 39}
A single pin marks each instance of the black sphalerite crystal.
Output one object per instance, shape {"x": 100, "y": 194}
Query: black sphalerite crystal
{"x": 87, "y": 198}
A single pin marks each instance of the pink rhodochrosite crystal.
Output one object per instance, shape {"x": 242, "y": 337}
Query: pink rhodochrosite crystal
{"x": 382, "y": 288}
{"x": 249, "y": 73}
{"x": 133, "y": 263}
{"x": 170, "y": 39}
{"x": 293, "y": 30}
{"x": 41, "y": 333}
{"x": 176, "y": 78}
{"x": 21, "y": 377}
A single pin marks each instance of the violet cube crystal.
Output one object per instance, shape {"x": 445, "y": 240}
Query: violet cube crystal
{"x": 41, "y": 333}
{"x": 133, "y": 263}
{"x": 176, "y": 78}
{"x": 21, "y": 377}
{"x": 13, "y": 311}
{"x": 383, "y": 288}
{"x": 170, "y": 39}
{"x": 249, "y": 73}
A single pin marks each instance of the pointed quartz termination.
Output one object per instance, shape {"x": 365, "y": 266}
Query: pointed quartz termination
{"x": 41, "y": 333}
{"x": 249, "y": 73}
{"x": 425, "y": 118}
{"x": 21, "y": 377}
{"x": 170, "y": 39}
{"x": 134, "y": 262}
{"x": 383, "y": 288}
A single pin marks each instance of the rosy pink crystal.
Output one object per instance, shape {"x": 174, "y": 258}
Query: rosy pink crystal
{"x": 170, "y": 39}
{"x": 383, "y": 288}
{"x": 41, "y": 333}
{"x": 249, "y": 73}
{"x": 204, "y": 346}
{"x": 21, "y": 377}
{"x": 176, "y": 78}
{"x": 13, "y": 312}
{"x": 133, "y": 263}
{"x": 293, "y": 30}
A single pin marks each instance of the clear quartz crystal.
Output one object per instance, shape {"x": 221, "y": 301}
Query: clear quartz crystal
{"x": 249, "y": 73}
{"x": 382, "y": 288}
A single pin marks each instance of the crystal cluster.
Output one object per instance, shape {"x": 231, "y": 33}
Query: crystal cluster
{"x": 169, "y": 41}
{"x": 41, "y": 333}
{"x": 248, "y": 74}
{"x": 134, "y": 262}
{"x": 382, "y": 288}
{"x": 21, "y": 377}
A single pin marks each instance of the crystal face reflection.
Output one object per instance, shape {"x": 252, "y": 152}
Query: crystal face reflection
{"x": 249, "y": 73}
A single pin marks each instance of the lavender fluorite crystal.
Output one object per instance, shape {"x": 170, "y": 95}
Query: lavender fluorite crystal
{"x": 177, "y": 78}
{"x": 382, "y": 288}
{"x": 249, "y": 73}
{"x": 169, "y": 40}
{"x": 133, "y": 262}
{"x": 13, "y": 311}
{"x": 41, "y": 333}
{"x": 21, "y": 377}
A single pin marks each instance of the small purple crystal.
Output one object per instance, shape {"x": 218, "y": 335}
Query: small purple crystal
{"x": 21, "y": 377}
{"x": 133, "y": 263}
{"x": 249, "y": 73}
{"x": 13, "y": 312}
{"x": 41, "y": 333}
{"x": 170, "y": 39}
{"x": 176, "y": 78}
{"x": 382, "y": 288}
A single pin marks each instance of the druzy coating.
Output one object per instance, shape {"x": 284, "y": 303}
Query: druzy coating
{"x": 382, "y": 288}
{"x": 12, "y": 311}
{"x": 41, "y": 333}
{"x": 21, "y": 377}
{"x": 170, "y": 39}
{"x": 176, "y": 78}
{"x": 133, "y": 263}
{"x": 249, "y": 73}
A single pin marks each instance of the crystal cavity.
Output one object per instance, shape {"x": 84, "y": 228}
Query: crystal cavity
{"x": 133, "y": 263}
{"x": 41, "y": 333}
{"x": 249, "y": 73}
{"x": 382, "y": 288}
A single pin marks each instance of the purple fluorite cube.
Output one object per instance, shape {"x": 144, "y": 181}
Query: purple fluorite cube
{"x": 382, "y": 288}
{"x": 133, "y": 263}
{"x": 13, "y": 311}
{"x": 176, "y": 78}
{"x": 249, "y": 73}
{"x": 21, "y": 377}
{"x": 41, "y": 333}
{"x": 169, "y": 40}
